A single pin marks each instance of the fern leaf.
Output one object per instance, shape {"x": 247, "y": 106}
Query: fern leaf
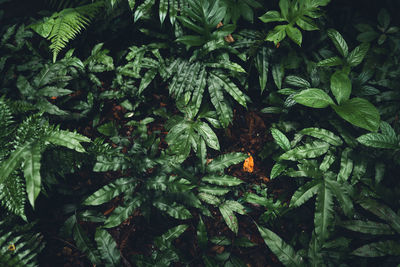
{"x": 323, "y": 211}
{"x": 224, "y": 111}
{"x": 31, "y": 167}
{"x": 12, "y": 195}
{"x": 108, "y": 248}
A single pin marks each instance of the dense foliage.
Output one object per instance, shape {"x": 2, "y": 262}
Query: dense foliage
{"x": 199, "y": 133}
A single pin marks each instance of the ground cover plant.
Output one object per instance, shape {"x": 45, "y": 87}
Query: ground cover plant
{"x": 199, "y": 133}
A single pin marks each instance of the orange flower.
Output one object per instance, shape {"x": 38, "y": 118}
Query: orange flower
{"x": 248, "y": 165}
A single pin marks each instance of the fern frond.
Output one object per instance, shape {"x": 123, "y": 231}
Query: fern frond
{"x": 63, "y": 26}
{"x": 19, "y": 245}
{"x": 12, "y": 195}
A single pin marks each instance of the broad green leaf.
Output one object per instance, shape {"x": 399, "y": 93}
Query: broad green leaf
{"x": 306, "y": 24}
{"x": 229, "y": 217}
{"x": 314, "y": 98}
{"x": 294, "y": 34}
{"x": 281, "y": 139}
{"x": 222, "y": 180}
{"x": 208, "y": 135}
{"x": 278, "y": 71}
{"x": 175, "y": 210}
{"x": 359, "y": 112}
{"x": 383, "y": 18}
{"x": 31, "y": 167}
{"x": 277, "y": 169}
{"x": 110, "y": 191}
{"x": 256, "y": 199}
{"x": 312, "y": 150}
{"x": 164, "y": 241}
{"x": 285, "y": 253}
{"x": 297, "y": 81}
{"x": 346, "y": 165}
{"x": 261, "y": 63}
{"x": 121, "y": 213}
{"x": 357, "y": 55}
{"x": 213, "y": 190}
{"x": 382, "y": 211}
{"x": 304, "y": 193}
{"x": 68, "y": 139}
{"x": 378, "y": 140}
{"x": 340, "y": 86}
{"x": 271, "y": 16}
{"x": 108, "y": 248}
{"x": 339, "y": 42}
{"x": 277, "y": 34}
{"x": 387, "y": 130}
{"x": 210, "y": 199}
{"x": 235, "y": 206}
{"x": 224, "y": 161}
{"x": 202, "y": 238}
{"x": 367, "y": 227}
{"x": 284, "y": 6}
{"x": 324, "y": 135}
{"x": 378, "y": 249}
{"x": 330, "y": 62}
{"x": 163, "y": 9}
{"x": 323, "y": 215}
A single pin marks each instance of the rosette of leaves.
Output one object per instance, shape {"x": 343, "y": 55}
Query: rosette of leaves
{"x": 293, "y": 12}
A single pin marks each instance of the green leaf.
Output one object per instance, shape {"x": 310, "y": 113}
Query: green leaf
{"x": 68, "y": 139}
{"x": 281, "y": 139}
{"x": 346, "y": 165}
{"x": 278, "y": 71}
{"x": 314, "y": 98}
{"x": 217, "y": 99}
{"x": 110, "y": 191}
{"x": 164, "y": 241}
{"x": 108, "y": 248}
{"x": 383, "y": 18}
{"x": 357, "y": 55}
{"x": 235, "y": 206}
{"x": 208, "y": 135}
{"x": 222, "y": 180}
{"x": 323, "y": 215}
{"x": 294, "y": 34}
{"x": 84, "y": 244}
{"x": 342, "y": 193}
{"x": 31, "y": 167}
{"x": 14, "y": 161}
{"x": 202, "y": 154}
{"x": 378, "y": 249}
{"x": 229, "y": 218}
{"x": 277, "y": 169}
{"x": 261, "y": 63}
{"x": 285, "y": 253}
{"x": 297, "y": 81}
{"x": 324, "y": 135}
{"x": 224, "y": 161}
{"x": 378, "y": 140}
{"x": 163, "y": 10}
{"x": 359, "y": 112}
{"x": 330, "y": 62}
{"x": 340, "y": 86}
{"x": 284, "y": 6}
{"x": 202, "y": 238}
{"x": 143, "y": 9}
{"x": 175, "y": 210}
{"x": 327, "y": 162}
{"x": 218, "y": 191}
{"x": 277, "y": 34}
{"x": 230, "y": 88}
{"x": 304, "y": 193}
{"x": 271, "y": 16}
{"x": 121, "y": 213}
{"x": 312, "y": 150}
{"x": 367, "y": 227}
{"x": 339, "y": 42}
{"x": 108, "y": 129}
{"x": 209, "y": 199}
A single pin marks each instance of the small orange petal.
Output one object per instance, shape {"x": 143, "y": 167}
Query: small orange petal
{"x": 248, "y": 165}
{"x": 53, "y": 97}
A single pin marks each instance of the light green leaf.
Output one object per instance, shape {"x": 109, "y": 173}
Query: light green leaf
{"x": 339, "y": 42}
{"x": 297, "y": 81}
{"x": 209, "y": 199}
{"x": 277, "y": 169}
{"x": 285, "y": 253}
{"x": 324, "y": 135}
{"x": 378, "y": 140}
{"x": 68, "y": 139}
{"x": 340, "y": 86}
{"x": 277, "y": 34}
{"x": 312, "y": 150}
{"x": 222, "y": 180}
{"x": 110, "y": 191}
{"x": 31, "y": 167}
{"x": 330, "y": 62}
{"x": 271, "y": 16}
{"x": 327, "y": 162}
{"x": 359, "y": 112}
{"x": 213, "y": 190}
{"x": 208, "y": 135}
{"x": 108, "y": 248}
{"x": 284, "y": 6}
{"x": 357, "y": 55}
{"x": 224, "y": 161}
{"x": 281, "y": 139}
{"x": 163, "y": 10}
{"x": 313, "y": 97}
{"x": 294, "y": 34}
{"x": 229, "y": 218}
{"x": 175, "y": 210}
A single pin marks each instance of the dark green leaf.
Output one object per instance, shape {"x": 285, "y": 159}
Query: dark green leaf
{"x": 312, "y": 150}
{"x": 324, "y": 135}
{"x": 339, "y": 42}
{"x": 108, "y": 248}
{"x": 281, "y": 139}
{"x": 315, "y": 98}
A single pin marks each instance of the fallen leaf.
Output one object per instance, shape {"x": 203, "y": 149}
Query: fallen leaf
{"x": 248, "y": 165}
